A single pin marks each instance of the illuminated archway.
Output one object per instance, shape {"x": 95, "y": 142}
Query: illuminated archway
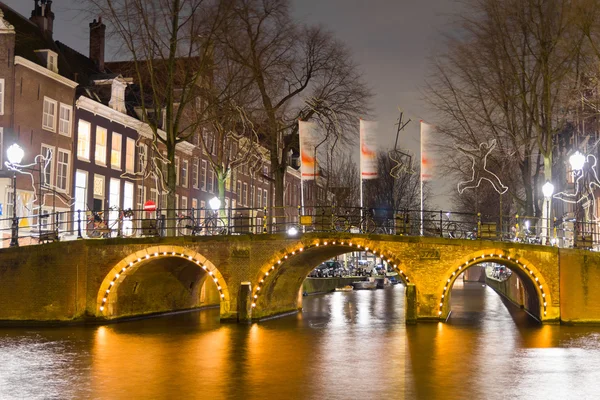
{"x": 346, "y": 246}
{"x": 131, "y": 263}
{"x": 521, "y": 266}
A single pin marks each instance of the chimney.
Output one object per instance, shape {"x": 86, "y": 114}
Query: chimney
{"x": 43, "y": 16}
{"x": 97, "y": 34}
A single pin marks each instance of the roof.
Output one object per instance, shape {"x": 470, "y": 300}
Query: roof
{"x": 29, "y": 38}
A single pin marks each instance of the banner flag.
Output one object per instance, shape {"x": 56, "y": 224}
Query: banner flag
{"x": 308, "y": 142}
{"x": 426, "y": 151}
{"x": 368, "y": 149}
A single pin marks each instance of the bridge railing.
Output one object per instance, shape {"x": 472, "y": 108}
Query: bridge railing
{"x": 109, "y": 223}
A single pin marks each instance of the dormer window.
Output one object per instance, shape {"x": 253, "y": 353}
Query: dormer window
{"x": 117, "y": 95}
{"x": 49, "y": 59}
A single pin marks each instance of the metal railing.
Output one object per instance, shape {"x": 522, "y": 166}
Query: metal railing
{"x": 111, "y": 223}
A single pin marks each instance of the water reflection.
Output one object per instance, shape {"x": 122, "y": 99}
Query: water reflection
{"x": 344, "y": 345}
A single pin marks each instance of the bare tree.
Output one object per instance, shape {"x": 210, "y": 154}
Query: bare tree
{"x": 344, "y": 181}
{"x": 510, "y": 75}
{"x": 166, "y": 44}
{"x": 299, "y": 72}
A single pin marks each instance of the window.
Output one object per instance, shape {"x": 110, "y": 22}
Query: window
{"x": 100, "y": 152}
{"x": 115, "y": 154}
{"x": 265, "y": 204}
{"x": 184, "y": 203}
{"x": 142, "y": 156}
{"x": 47, "y": 164}
{"x": 176, "y": 171}
{"x": 1, "y": 147}
{"x": 130, "y": 155}
{"x": 2, "y": 96}
{"x": 209, "y": 183}
{"x": 64, "y": 119}
{"x": 52, "y": 64}
{"x": 195, "y": 173}
{"x": 114, "y": 201}
{"x": 164, "y": 200}
{"x": 203, "y": 175}
{"x": 10, "y": 202}
{"x": 140, "y": 197}
{"x": 239, "y": 190}
{"x": 252, "y": 196}
{"x": 127, "y": 204}
{"x": 49, "y": 115}
{"x": 259, "y": 198}
{"x": 202, "y": 210}
{"x": 81, "y": 190}
{"x": 83, "y": 140}
{"x": 245, "y": 194}
{"x": 184, "y": 174}
{"x": 62, "y": 167}
{"x": 195, "y": 204}
{"x": 153, "y": 195}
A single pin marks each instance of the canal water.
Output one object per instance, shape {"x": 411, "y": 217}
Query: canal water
{"x": 351, "y": 345}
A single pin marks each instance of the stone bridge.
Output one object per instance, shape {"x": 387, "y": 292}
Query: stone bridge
{"x": 253, "y": 277}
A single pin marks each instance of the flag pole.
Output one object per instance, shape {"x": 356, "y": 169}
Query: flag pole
{"x": 301, "y": 176}
{"x": 360, "y": 168}
{"x": 421, "y": 171}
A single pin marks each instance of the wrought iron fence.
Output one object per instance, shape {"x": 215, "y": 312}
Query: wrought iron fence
{"x": 111, "y": 223}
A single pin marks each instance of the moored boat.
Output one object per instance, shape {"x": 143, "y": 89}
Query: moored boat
{"x": 346, "y": 288}
{"x": 364, "y": 285}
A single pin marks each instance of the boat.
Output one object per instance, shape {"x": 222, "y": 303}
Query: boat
{"x": 365, "y": 285}
{"x": 346, "y": 288}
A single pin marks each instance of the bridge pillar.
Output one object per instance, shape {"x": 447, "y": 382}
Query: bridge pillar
{"x": 410, "y": 305}
{"x": 244, "y": 304}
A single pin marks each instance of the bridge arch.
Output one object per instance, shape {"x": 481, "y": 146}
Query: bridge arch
{"x": 128, "y": 265}
{"x": 525, "y": 270}
{"x": 268, "y": 286}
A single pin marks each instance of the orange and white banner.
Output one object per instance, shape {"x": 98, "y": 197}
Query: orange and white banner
{"x": 368, "y": 149}
{"x": 308, "y": 141}
{"x": 426, "y": 151}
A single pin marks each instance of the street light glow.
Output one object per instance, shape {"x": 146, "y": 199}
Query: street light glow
{"x": 15, "y": 154}
{"x": 293, "y": 231}
{"x": 214, "y": 203}
{"x": 577, "y": 160}
{"x": 548, "y": 189}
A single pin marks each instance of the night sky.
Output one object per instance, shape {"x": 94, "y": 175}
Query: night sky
{"x": 392, "y": 42}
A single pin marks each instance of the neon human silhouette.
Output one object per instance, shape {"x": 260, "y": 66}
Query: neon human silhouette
{"x": 480, "y": 171}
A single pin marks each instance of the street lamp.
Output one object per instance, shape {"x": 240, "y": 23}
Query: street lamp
{"x": 577, "y": 160}
{"x": 214, "y": 203}
{"x": 15, "y": 155}
{"x": 548, "y": 191}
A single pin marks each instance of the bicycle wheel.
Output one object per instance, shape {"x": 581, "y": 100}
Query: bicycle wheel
{"x": 453, "y": 231}
{"x": 215, "y": 226}
{"x": 368, "y": 226}
{"x": 340, "y": 224}
{"x": 185, "y": 226}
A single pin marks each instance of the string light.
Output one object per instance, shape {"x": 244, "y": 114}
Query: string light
{"x": 156, "y": 254}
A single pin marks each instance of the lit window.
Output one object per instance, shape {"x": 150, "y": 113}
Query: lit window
{"x": 49, "y": 115}
{"x": 142, "y": 155}
{"x": 245, "y": 194}
{"x": 209, "y": 183}
{"x": 176, "y": 171}
{"x": 83, "y": 140}
{"x": 130, "y": 155}
{"x": 64, "y": 119}
{"x": 100, "y": 152}
{"x": 115, "y": 154}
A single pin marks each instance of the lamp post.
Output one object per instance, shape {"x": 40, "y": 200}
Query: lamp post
{"x": 576, "y": 160}
{"x": 15, "y": 155}
{"x": 548, "y": 191}
{"x": 214, "y": 203}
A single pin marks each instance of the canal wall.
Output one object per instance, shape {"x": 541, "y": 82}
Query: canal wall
{"x": 512, "y": 289}
{"x": 326, "y": 285}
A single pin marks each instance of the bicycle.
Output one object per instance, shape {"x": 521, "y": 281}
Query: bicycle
{"x": 97, "y": 227}
{"x": 448, "y": 228}
{"x": 189, "y": 225}
{"x": 348, "y": 223}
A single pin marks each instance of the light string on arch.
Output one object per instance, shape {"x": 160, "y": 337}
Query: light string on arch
{"x": 157, "y": 254}
{"x": 490, "y": 257}
{"x": 344, "y": 243}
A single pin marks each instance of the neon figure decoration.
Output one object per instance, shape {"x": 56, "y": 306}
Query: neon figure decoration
{"x": 480, "y": 171}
